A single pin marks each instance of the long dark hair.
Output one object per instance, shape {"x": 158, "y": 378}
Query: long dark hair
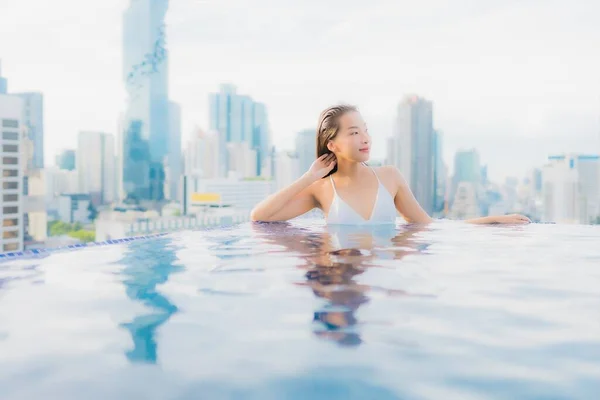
{"x": 328, "y": 127}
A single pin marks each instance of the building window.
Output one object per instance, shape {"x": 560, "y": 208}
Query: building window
{"x": 10, "y": 148}
{"x": 10, "y": 234}
{"x": 10, "y": 123}
{"x": 10, "y": 135}
{"x": 10, "y": 197}
{"x": 10, "y": 210}
{"x": 10, "y": 185}
{"x": 10, "y": 160}
{"x": 11, "y": 247}
{"x": 7, "y": 173}
{"x": 10, "y": 222}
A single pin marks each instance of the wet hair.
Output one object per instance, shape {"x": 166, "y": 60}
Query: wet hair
{"x": 328, "y": 127}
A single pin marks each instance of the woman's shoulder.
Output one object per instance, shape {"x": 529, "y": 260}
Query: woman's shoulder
{"x": 387, "y": 170}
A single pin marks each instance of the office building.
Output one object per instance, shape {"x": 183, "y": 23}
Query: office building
{"x": 146, "y": 123}
{"x": 11, "y": 201}
{"x": 96, "y": 166}
{"x": 306, "y": 148}
{"x": 570, "y": 188}
{"x": 239, "y": 119}
{"x": 33, "y": 117}
{"x": 414, "y": 141}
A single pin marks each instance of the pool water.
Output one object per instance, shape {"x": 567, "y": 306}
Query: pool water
{"x": 305, "y": 311}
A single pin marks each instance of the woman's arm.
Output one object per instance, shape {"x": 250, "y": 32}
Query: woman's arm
{"x": 405, "y": 201}
{"x": 288, "y": 203}
{"x": 412, "y": 211}
{"x": 297, "y": 198}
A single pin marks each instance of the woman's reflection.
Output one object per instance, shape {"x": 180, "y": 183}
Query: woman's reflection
{"x": 333, "y": 257}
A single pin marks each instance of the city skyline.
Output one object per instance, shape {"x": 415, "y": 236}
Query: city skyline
{"x": 484, "y": 96}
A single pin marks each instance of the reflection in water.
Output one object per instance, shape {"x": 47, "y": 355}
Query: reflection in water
{"x": 148, "y": 264}
{"x": 334, "y": 257}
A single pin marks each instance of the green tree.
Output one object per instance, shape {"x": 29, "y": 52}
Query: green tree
{"x": 83, "y": 235}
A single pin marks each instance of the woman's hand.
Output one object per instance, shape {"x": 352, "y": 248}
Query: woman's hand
{"x": 511, "y": 219}
{"x": 322, "y": 166}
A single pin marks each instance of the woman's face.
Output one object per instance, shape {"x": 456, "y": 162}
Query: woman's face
{"x": 352, "y": 141}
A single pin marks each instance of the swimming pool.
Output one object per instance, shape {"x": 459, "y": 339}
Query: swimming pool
{"x": 300, "y": 310}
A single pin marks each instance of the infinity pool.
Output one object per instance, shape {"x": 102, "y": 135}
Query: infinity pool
{"x": 306, "y": 311}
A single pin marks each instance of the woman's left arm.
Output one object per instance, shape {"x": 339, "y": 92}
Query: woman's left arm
{"x": 411, "y": 210}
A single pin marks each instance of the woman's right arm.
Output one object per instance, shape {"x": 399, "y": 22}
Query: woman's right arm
{"x": 297, "y": 198}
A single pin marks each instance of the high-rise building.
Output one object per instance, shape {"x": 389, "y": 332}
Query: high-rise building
{"x": 286, "y": 167}
{"x": 239, "y": 119}
{"x": 202, "y": 156}
{"x": 58, "y": 182}
{"x": 465, "y": 204}
{"x": 34, "y": 122}
{"x": 570, "y": 188}
{"x": 96, "y": 166}
{"x": 3, "y": 82}
{"x": 467, "y": 168}
{"x": 242, "y": 160}
{"x": 11, "y": 203}
{"x": 306, "y": 148}
{"x": 66, "y": 160}
{"x": 146, "y": 124}
{"x": 439, "y": 173}
{"x": 414, "y": 139}
{"x": 174, "y": 163}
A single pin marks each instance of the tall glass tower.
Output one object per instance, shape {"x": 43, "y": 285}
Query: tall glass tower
{"x": 146, "y": 123}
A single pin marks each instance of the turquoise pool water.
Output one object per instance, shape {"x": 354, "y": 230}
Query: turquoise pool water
{"x": 303, "y": 311}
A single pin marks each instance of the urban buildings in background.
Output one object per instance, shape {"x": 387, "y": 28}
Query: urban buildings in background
{"x": 11, "y": 211}
{"x": 412, "y": 148}
{"x": 306, "y": 149}
{"x": 571, "y": 192}
{"x": 243, "y": 129}
{"x": 151, "y": 125}
{"x": 33, "y": 119}
{"x": 22, "y": 171}
{"x": 96, "y": 166}
{"x": 147, "y": 183}
{"x": 201, "y": 155}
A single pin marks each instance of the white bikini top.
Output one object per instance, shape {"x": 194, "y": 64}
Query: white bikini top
{"x": 384, "y": 210}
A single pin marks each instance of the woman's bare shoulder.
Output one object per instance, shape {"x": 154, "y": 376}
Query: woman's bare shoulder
{"x": 387, "y": 171}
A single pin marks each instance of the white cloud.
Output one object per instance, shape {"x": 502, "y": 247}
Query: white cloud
{"x": 525, "y": 70}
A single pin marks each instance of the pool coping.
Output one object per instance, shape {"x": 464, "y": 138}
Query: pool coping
{"x": 36, "y": 252}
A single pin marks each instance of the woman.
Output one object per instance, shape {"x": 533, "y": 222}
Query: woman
{"x": 353, "y": 193}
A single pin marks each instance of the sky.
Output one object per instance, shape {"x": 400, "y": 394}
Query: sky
{"x": 516, "y": 79}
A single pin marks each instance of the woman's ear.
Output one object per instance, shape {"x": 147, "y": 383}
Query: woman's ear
{"x": 330, "y": 146}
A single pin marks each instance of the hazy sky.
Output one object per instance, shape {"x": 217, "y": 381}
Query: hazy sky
{"x": 516, "y": 79}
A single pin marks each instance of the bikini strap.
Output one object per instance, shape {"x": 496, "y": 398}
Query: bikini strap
{"x": 373, "y": 169}
{"x": 332, "y": 184}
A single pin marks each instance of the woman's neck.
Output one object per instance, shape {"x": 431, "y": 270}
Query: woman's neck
{"x": 348, "y": 169}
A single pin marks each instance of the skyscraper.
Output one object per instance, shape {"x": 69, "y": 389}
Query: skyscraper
{"x": 467, "y": 169}
{"x": 174, "y": 159}
{"x": 439, "y": 173}
{"x": 96, "y": 166}
{"x": 146, "y": 122}
{"x": 415, "y": 156}
{"x": 201, "y": 155}
{"x": 34, "y": 122}
{"x": 239, "y": 119}
{"x": 306, "y": 149}
{"x": 11, "y": 191}
{"x": 570, "y": 188}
